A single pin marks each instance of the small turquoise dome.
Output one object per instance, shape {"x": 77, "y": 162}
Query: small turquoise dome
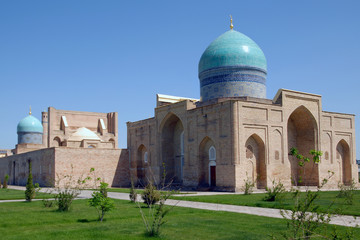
{"x": 30, "y": 124}
{"x": 233, "y": 65}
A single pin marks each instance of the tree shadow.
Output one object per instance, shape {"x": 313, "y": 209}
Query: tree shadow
{"x": 84, "y": 220}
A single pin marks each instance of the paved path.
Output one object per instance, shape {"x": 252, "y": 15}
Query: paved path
{"x": 344, "y": 220}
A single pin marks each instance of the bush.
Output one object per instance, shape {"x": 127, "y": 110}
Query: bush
{"x": 150, "y": 194}
{"x": 67, "y": 188}
{"x": 101, "y": 201}
{"x": 65, "y": 198}
{"x": 6, "y": 179}
{"x": 133, "y": 193}
{"x": 248, "y": 186}
{"x": 30, "y": 189}
{"x": 274, "y": 193}
{"x": 347, "y": 192}
{"x": 48, "y": 203}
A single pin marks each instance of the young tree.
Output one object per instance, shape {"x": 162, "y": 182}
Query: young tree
{"x": 67, "y": 188}
{"x": 30, "y": 189}
{"x": 305, "y": 220}
{"x": 154, "y": 218}
{"x": 101, "y": 201}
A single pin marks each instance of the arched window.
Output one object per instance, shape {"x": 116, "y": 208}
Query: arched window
{"x": 146, "y": 157}
{"x": 212, "y": 153}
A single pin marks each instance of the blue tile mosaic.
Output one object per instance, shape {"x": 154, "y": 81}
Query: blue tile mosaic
{"x": 30, "y": 137}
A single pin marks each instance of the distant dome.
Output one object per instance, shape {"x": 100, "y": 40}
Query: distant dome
{"x": 29, "y": 124}
{"x": 83, "y": 133}
{"x": 232, "y": 65}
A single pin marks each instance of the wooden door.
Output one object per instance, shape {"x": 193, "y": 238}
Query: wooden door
{"x": 212, "y": 176}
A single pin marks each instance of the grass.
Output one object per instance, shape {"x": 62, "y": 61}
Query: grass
{"x": 12, "y": 194}
{"x": 256, "y": 200}
{"x": 30, "y": 220}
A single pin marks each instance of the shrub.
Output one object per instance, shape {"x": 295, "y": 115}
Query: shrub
{"x": 347, "y": 192}
{"x": 65, "y": 198}
{"x": 274, "y": 193}
{"x": 101, "y": 202}
{"x": 6, "y": 179}
{"x": 248, "y": 186}
{"x": 304, "y": 219}
{"x": 30, "y": 189}
{"x": 48, "y": 203}
{"x": 67, "y": 188}
{"x": 133, "y": 193}
{"x": 150, "y": 194}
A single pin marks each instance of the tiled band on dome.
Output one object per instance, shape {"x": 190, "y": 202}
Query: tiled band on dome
{"x": 233, "y": 81}
{"x": 30, "y": 137}
{"x": 232, "y": 69}
{"x": 233, "y": 89}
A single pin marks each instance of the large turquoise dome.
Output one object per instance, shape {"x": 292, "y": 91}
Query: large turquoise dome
{"x": 30, "y": 131}
{"x": 30, "y": 124}
{"x": 233, "y": 65}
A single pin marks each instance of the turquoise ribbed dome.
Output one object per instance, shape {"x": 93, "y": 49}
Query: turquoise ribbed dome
{"x": 232, "y": 49}
{"x": 30, "y": 124}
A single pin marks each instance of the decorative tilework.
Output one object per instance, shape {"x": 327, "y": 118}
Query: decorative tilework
{"x": 32, "y": 137}
{"x": 232, "y": 81}
{"x": 241, "y": 89}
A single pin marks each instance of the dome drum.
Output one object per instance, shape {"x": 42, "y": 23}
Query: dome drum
{"x": 30, "y": 137}
{"x": 233, "y": 81}
{"x": 232, "y": 66}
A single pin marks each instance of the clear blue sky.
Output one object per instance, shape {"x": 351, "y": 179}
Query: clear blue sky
{"x": 105, "y": 56}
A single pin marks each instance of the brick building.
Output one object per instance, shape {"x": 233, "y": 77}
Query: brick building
{"x": 233, "y": 133}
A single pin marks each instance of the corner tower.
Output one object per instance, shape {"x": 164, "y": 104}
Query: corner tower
{"x": 233, "y": 65}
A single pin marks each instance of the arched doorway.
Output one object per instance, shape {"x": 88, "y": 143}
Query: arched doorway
{"x": 140, "y": 163}
{"x": 207, "y": 163}
{"x": 302, "y": 134}
{"x": 212, "y": 166}
{"x": 343, "y": 156}
{"x": 172, "y": 148}
{"x": 255, "y": 153}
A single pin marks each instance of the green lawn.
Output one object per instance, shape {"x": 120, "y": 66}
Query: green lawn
{"x": 256, "y": 200}
{"x": 11, "y": 194}
{"x": 30, "y": 220}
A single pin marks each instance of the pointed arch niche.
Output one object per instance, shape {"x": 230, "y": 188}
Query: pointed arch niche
{"x": 302, "y": 134}
{"x": 207, "y": 163}
{"x": 140, "y": 164}
{"x": 343, "y": 157}
{"x": 172, "y": 148}
{"x": 255, "y": 155}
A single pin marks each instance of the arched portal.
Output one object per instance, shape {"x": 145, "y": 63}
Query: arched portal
{"x": 172, "y": 148}
{"x": 302, "y": 134}
{"x": 343, "y": 156}
{"x": 140, "y": 164}
{"x": 255, "y": 153}
{"x": 207, "y": 163}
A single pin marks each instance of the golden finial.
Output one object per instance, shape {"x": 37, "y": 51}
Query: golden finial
{"x": 30, "y": 111}
{"x": 231, "y": 24}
